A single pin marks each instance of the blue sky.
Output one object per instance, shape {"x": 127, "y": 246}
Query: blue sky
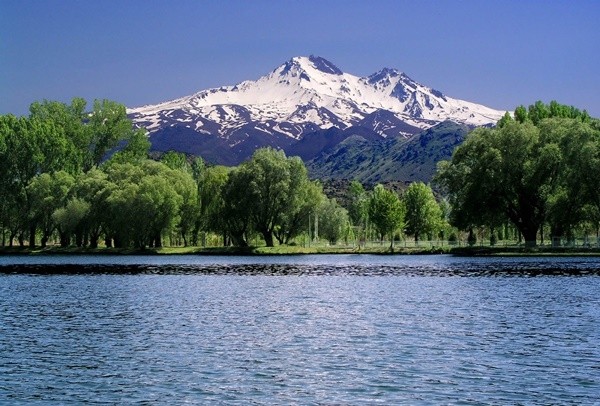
{"x": 497, "y": 53}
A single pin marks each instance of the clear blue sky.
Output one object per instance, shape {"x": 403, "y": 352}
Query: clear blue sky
{"x": 498, "y": 53}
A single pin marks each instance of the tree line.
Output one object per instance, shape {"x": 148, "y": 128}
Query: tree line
{"x": 83, "y": 177}
{"x": 537, "y": 169}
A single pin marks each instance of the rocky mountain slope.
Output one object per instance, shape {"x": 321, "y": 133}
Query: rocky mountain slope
{"x": 391, "y": 159}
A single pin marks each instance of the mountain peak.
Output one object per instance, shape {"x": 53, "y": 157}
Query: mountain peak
{"x": 384, "y": 74}
{"x": 305, "y": 64}
{"x": 324, "y": 65}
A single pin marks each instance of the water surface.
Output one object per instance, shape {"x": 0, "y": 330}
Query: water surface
{"x": 330, "y": 330}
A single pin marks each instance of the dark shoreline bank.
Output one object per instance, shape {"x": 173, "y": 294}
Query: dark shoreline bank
{"x": 466, "y": 269}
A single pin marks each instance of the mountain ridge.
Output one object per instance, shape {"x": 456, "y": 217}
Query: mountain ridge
{"x": 303, "y": 95}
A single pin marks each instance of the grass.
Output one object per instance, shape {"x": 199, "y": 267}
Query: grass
{"x": 258, "y": 250}
{"x": 314, "y": 249}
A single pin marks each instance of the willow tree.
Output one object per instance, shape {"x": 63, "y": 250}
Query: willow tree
{"x": 505, "y": 172}
{"x": 423, "y": 213}
{"x": 386, "y": 212}
{"x": 522, "y": 170}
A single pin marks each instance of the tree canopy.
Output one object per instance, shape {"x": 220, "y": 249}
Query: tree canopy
{"x": 527, "y": 170}
{"x": 85, "y": 177}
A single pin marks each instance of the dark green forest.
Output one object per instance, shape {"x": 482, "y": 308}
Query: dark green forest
{"x": 78, "y": 176}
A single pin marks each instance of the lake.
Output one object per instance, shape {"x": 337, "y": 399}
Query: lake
{"x": 330, "y": 329}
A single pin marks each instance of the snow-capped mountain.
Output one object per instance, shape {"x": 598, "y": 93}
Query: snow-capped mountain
{"x": 307, "y": 94}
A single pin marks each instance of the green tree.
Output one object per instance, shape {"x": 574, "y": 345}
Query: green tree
{"x": 358, "y": 209}
{"x": 333, "y": 221}
{"x": 386, "y": 212}
{"x": 47, "y": 193}
{"x": 23, "y": 159}
{"x": 303, "y": 198}
{"x": 70, "y": 119}
{"x": 211, "y": 182}
{"x": 93, "y": 188}
{"x": 155, "y": 210}
{"x": 108, "y": 124}
{"x": 525, "y": 171}
{"x": 143, "y": 203}
{"x": 188, "y": 211}
{"x": 136, "y": 150}
{"x": 521, "y": 114}
{"x": 509, "y": 171}
{"x": 70, "y": 219}
{"x": 268, "y": 188}
{"x": 177, "y": 160}
{"x": 237, "y": 203}
{"x": 423, "y": 214}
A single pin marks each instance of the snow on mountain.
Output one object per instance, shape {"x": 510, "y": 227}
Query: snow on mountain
{"x": 310, "y": 93}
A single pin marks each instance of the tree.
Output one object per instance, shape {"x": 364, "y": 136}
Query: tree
{"x": 303, "y": 198}
{"x": 47, "y": 193}
{"x": 155, "y": 210}
{"x": 69, "y": 220}
{"x": 423, "y": 214}
{"x": 505, "y": 172}
{"x": 578, "y": 178}
{"x": 268, "y": 188}
{"x": 184, "y": 185}
{"x": 136, "y": 150}
{"x": 93, "y": 188}
{"x": 237, "y": 203}
{"x": 108, "y": 124}
{"x": 358, "y": 205}
{"x": 176, "y": 160}
{"x": 143, "y": 202}
{"x": 333, "y": 220}
{"x": 23, "y": 159}
{"x": 525, "y": 171}
{"x": 211, "y": 182}
{"x": 386, "y": 212}
{"x": 70, "y": 119}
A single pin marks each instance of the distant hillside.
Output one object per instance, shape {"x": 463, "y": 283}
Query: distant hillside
{"x": 389, "y": 160}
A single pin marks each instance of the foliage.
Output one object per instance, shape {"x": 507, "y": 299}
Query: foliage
{"x": 539, "y": 167}
{"x": 333, "y": 221}
{"x": 423, "y": 214}
{"x": 271, "y": 194}
{"x": 386, "y": 212}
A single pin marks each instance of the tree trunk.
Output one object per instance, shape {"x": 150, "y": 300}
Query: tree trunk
{"x": 530, "y": 236}
{"x": 65, "y": 241}
{"x": 238, "y": 240}
{"x": 94, "y": 240}
{"x": 32, "y": 231}
{"x": 268, "y": 237}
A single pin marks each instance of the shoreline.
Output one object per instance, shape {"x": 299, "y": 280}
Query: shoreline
{"x": 518, "y": 251}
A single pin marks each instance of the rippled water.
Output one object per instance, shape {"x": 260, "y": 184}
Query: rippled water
{"x": 243, "y": 333}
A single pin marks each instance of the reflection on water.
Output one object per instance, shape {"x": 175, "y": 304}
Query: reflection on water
{"x": 233, "y": 334}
